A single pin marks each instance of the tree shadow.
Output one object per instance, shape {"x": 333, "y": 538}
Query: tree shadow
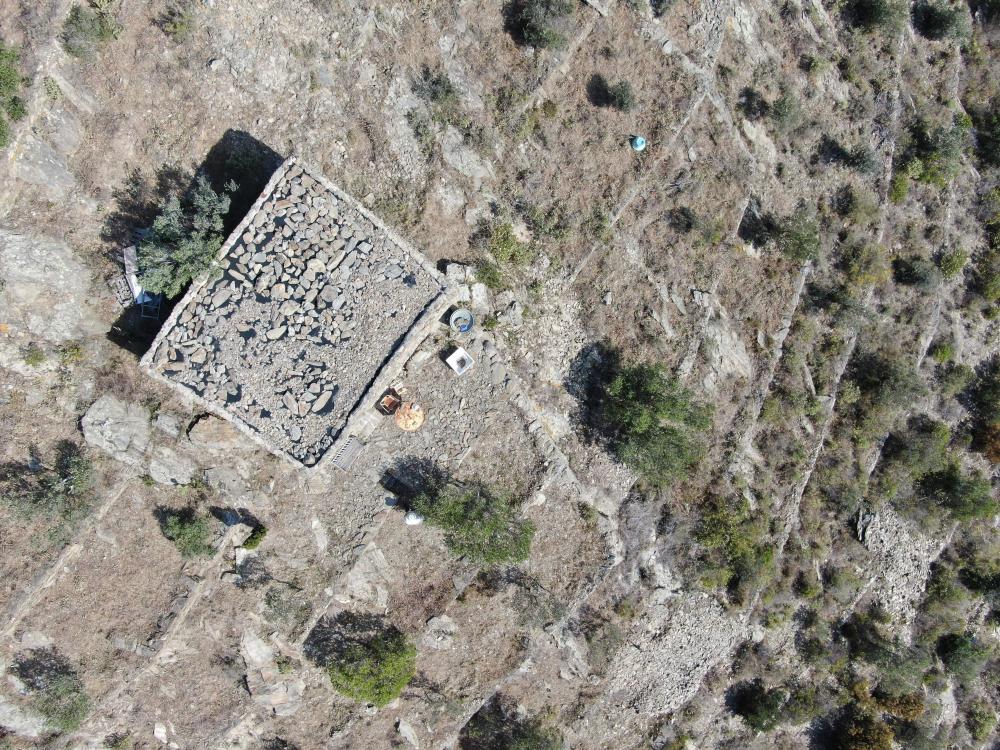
{"x": 137, "y": 202}
{"x": 241, "y": 158}
{"x": 410, "y": 476}
{"x": 591, "y": 371}
{"x": 331, "y": 638}
{"x": 233, "y": 516}
{"x": 757, "y": 227}
{"x": 598, "y": 91}
{"x": 39, "y": 668}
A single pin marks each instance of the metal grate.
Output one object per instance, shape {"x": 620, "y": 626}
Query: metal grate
{"x": 347, "y": 453}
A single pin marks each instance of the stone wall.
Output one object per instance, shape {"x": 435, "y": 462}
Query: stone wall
{"x": 311, "y": 300}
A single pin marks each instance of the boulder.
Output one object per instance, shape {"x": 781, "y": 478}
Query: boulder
{"x": 118, "y": 428}
{"x": 214, "y": 434}
{"x": 170, "y": 468}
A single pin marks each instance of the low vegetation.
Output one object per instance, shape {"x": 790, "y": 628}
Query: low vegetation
{"x": 479, "y": 523}
{"x": 89, "y": 27}
{"x": 498, "y": 725}
{"x": 61, "y": 491}
{"x": 539, "y": 23}
{"x": 366, "y": 659}
{"x": 655, "y": 425}
{"x": 55, "y": 689}
{"x": 11, "y": 82}
{"x": 189, "y": 530}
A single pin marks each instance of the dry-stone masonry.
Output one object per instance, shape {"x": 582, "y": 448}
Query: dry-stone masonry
{"x": 311, "y": 298}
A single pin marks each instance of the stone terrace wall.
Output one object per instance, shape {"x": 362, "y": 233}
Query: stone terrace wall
{"x": 314, "y": 297}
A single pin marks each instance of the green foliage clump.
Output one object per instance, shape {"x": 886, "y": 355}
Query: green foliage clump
{"x": 63, "y": 703}
{"x": 11, "y": 81}
{"x": 954, "y": 378}
{"x": 862, "y": 729}
{"x": 184, "y": 239}
{"x": 798, "y": 236}
{"x": 551, "y": 223}
{"x": 935, "y": 153}
{"x": 952, "y": 262}
{"x": 942, "y": 352}
{"x": 478, "y": 522}
{"x": 256, "y": 537}
{"x": 886, "y": 384}
{"x": 534, "y": 22}
{"x": 938, "y": 19}
{"x": 867, "y": 264}
{"x": 88, "y": 27}
{"x": 62, "y": 491}
{"x": 963, "y": 655}
{"x": 885, "y": 16}
{"x": 736, "y": 536}
{"x": 177, "y": 21}
{"x": 287, "y": 607}
{"x": 965, "y": 497}
{"x": 759, "y": 706}
{"x": 916, "y": 271}
{"x": 34, "y": 355}
{"x": 980, "y": 719}
{"x": 374, "y": 670}
{"x": 656, "y": 425}
{"x": 785, "y": 112}
{"x": 621, "y": 96}
{"x": 988, "y": 134}
{"x": 910, "y": 454}
{"x": 190, "y": 531}
{"x": 498, "y": 725}
{"x": 55, "y": 689}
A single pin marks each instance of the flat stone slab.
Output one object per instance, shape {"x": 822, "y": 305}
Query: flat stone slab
{"x": 311, "y": 298}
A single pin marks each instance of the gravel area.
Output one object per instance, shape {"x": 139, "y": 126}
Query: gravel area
{"x": 313, "y": 299}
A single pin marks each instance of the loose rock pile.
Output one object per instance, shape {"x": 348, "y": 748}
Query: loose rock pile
{"x": 312, "y": 300}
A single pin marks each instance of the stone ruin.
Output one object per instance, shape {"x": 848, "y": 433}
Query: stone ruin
{"x": 315, "y": 304}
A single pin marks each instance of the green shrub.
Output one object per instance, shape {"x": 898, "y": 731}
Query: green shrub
{"x": 899, "y": 187}
{"x": 88, "y": 28}
{"x": 374, "y": 670}
{"x": 785, "y": 112}
{"x": 34, "y": 355}
{"x": 798, "y": 236}
{"x": 10, "y": 84}
{"x": 861, "y": 729}
{"x": 937, "y": 19}
{"x": 656, "y": 425}
{"x": 988, "y": 133}
{"x": 256, "y": 537}
{"x": 760, "y": 707}
{"x": 954, "y": 378}
{"x": 980, "y": 719}
{"x": 478, "y": 523}
{"x": 189, "y": 531}
{"x": 942, "y": 352}
{"x": 62, "y": 490}
{"x": 535, "y": 22}
{"x": 886, "y": 16}
{"x": 184, "y": 239}
{"x": 503, "y": 244}
{"x": 552, "y": 222}
{"x": 55, "y": 689}
{"x": 935, "y": 154}
{"x": 867, "y": 264}
{"x": 965, "y": 497}
{"x": 737, "y": 537}
{"x": 963, "y": 655}
{"x": 499, "y": 725}
{"x": 490, "y": 275}
{"x": 862, "y": 159}
{"x": 64, "y": 703}
{"x": 621, "y": 96}
{"x": 952, "y": 262}
{"x": 858, "y": 205}
{"x": 916, "y": 271}
{"x": 177, "y": 21}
